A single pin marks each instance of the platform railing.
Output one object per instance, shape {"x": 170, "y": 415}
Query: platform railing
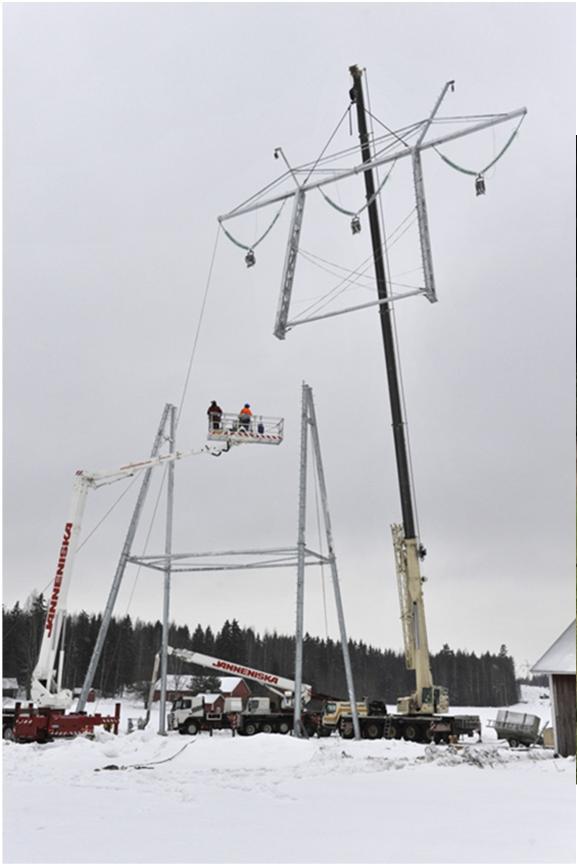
{"x": 246, "y": 428}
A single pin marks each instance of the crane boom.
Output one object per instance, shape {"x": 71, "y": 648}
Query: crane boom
{"x": 42, "y": 685}
{"x": 276, "y": 683}
{"x": 408, "y": 549}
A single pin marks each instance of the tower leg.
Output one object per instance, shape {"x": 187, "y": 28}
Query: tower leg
{"x": 167, "y": 574}
{"x": 332, "y": 556}
{"x": 297, "y": 723}
{"x": 125, "y": 554}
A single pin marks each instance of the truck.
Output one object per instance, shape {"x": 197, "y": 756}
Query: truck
{"x": 275, "y": 714}
{"x": 268, "y": 714}
{"x": 376, "y": 722}
{"x": 189, "y": 715}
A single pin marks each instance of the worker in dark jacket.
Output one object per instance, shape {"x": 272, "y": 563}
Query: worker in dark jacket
{"x": 244, "y": 417}
{"x": 214, "y": 414}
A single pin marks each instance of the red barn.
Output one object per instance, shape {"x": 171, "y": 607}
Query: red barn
{"x": 179, "y": 686}
{"x": 235, "y": 687}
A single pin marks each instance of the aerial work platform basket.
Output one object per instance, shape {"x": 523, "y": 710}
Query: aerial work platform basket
{"x": 246, "y": 429}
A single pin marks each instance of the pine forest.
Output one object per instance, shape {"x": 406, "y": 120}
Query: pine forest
{"x": 128, "y": 656}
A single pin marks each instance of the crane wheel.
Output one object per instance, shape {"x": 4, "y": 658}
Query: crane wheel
{"x": 250, "y": 729}
{"x": 410, "y": 733}
{"x": 346, "y": 729}
{"x": 390, "y": 732}
{"x": 373, "y": 730}
{"x": 283, "y": 728}
{"x": 190, "y": 728}
{"x": 267, "y": 728}
{"x": 8, "y": 733}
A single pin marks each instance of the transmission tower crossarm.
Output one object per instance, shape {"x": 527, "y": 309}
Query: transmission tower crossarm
{"x": 374, "y": 163}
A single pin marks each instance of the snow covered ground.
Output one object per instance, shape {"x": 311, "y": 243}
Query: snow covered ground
{"x": 273, "y": 798}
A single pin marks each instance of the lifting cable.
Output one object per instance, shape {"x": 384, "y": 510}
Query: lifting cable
{"x": 315, "y": 259}
{"x": 390, "y": 131}
{"x": 252, "y": 246}
{"x": 318, "y": 261}
{"x": 323, "y": 151}
{"x": 339, "y": 154}
{"x": 355, "y": 275}
{"x": 197, "y": 334}
{"x": 345, "y": 281}
{"x": 411, "y": 129}
{"x": 180, "y": 407}
{"x": 133, "y": 481}
{"x": 257, "y": 195}
{"x": 108, "y": 512}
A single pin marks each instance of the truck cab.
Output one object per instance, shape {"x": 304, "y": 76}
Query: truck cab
{"x": 184, "y": 708}
{"x": 434, "y": 700}
{"x": 335, "y": 710}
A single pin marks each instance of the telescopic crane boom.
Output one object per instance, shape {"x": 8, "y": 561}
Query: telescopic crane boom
{"x": 43, "y": 687}
{"x": 276, "y": 683}
{"x": 427, "y": 699}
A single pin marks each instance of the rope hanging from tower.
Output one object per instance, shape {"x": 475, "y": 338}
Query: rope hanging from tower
{"x": 250, "y": 257}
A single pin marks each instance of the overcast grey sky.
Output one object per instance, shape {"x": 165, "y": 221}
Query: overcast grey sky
{"x": 127, "y": 130}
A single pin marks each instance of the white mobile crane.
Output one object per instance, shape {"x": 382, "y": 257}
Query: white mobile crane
{"x": 421, "y": 716}
{"x": 262, "y": 714}
{"x": 46, "y": 688}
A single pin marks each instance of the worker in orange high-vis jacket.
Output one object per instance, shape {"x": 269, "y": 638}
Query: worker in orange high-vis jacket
{"x": 244, "y": 417}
